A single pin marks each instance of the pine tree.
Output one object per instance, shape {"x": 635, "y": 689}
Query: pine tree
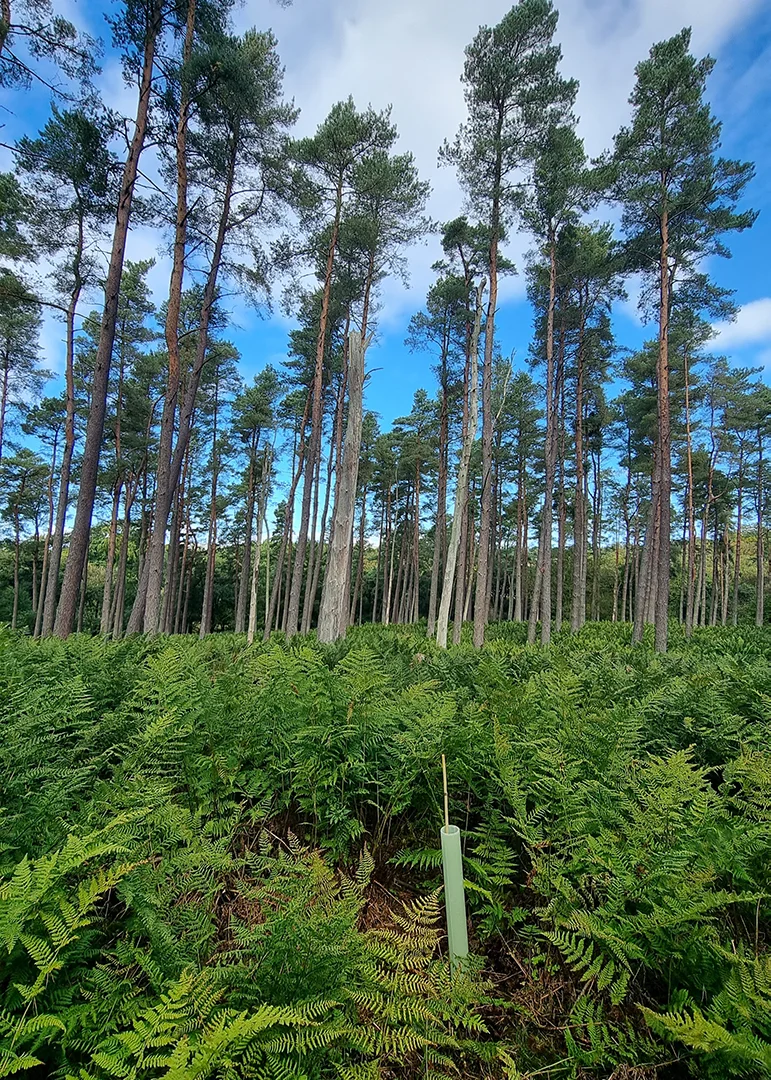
{"x": 513, "y": 93}
{"x": 678, "y": 198}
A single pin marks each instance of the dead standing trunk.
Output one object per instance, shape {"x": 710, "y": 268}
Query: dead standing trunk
{"x": 335, "y": 595}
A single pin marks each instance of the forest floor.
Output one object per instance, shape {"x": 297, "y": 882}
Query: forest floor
{"x": 222, "y": 861}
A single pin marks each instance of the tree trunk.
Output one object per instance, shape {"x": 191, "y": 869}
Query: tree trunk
{"x": 440, "y": 525}
{"x": 147, "y": 606}
{"x": 541, "y": 602}
{"x": 760, "y": 584}
{"x": 317, "y": 406}
{"x": 334, "y": 612}
{"x": 738, "y": 541}
{"x": 267, "y": 466}
{"x": 78, "y": 550}
{"x": 246, "y": 557}
{"x": 120, "y": 589}
{"x": 578, "y": 604}
{"x": 596, "y": 535}
{"x": 690, "y": 512}
{"x": 48, "y": 539}
{"x": 104, "y": 622}
{"x": 16, "y": 545}
{"x": 461, "y": 485}
{"x": 561, "y": 520}
{"x": 665, "y": 451}
{"x": 211, "y": 547}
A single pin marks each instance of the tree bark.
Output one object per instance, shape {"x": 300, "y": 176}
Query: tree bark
{"x": 78, "y": 550}
{"x": 461, "y": 484}
{"x": 334, "y": 612}
{"x": 665, "y": 451}
{"x": 267, "y": 466}
{"x": 317, "y": 406}
{"x": 738, "y": 540}
{"x": 541, "y": 602}
{"x": 760, "y": 585}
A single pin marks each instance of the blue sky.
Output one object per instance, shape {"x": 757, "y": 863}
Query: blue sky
{"x": 409, "y": 53}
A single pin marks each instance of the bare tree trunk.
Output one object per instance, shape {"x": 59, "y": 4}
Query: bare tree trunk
{"x": 596, "y": 535}
{"x": 83, "y": 593}
{"x": 461, "y": 484}
{"x": 388, "y": 573}
{"x": 54, "y": 566}
{"x": 47, "y": 545}
{"x": 16, "y": 546}
{"x": 312, "y": 589}
{"x": 561, "y": 521}
{"x": 662, "y": 572}
{"x": 738, "y": 541}
{"x": 267, "y": 466}
{"x": 147, "y": 605}
{"x": 246, "y": 557}
{"x": 357, "y": 599}
{"x": 314, "y": 551}
{"x": 541, "y": 602}
{"x": 120, "y": 590}
{"x": 184, "y": 561}
{"x": 334, "y": 613}
{"x": 578, "y": 604}
{"x": 379, "y": 562}
{"x": 104, "y": 622}
{"x": 78, "y": 550}
{"x": 760, "y": 585}
{"x": 293, "y": 610}
{"x": 690, "y": 513}
{"x": 440, "y": 526}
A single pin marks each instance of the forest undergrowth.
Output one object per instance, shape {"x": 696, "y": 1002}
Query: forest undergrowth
{"x": 221, "y": 861}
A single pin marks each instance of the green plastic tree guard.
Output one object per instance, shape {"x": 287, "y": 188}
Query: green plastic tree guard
{"x": 454, "y": 896}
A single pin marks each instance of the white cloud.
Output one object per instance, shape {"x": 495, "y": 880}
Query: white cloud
{"x": 410, "y": 54}
{"x": 751, "y": 326}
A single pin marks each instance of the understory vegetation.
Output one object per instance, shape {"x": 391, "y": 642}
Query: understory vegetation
{"x": 223, "y": 861}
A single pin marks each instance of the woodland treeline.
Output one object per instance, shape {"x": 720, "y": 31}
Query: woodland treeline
{"x": 161, "y": 491}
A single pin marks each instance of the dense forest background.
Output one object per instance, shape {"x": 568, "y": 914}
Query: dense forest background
{"x": 163, "y": 492}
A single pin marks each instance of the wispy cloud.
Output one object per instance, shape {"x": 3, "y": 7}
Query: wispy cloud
{"x": 752, "y": 326}
{"x": 410, "y": 55}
